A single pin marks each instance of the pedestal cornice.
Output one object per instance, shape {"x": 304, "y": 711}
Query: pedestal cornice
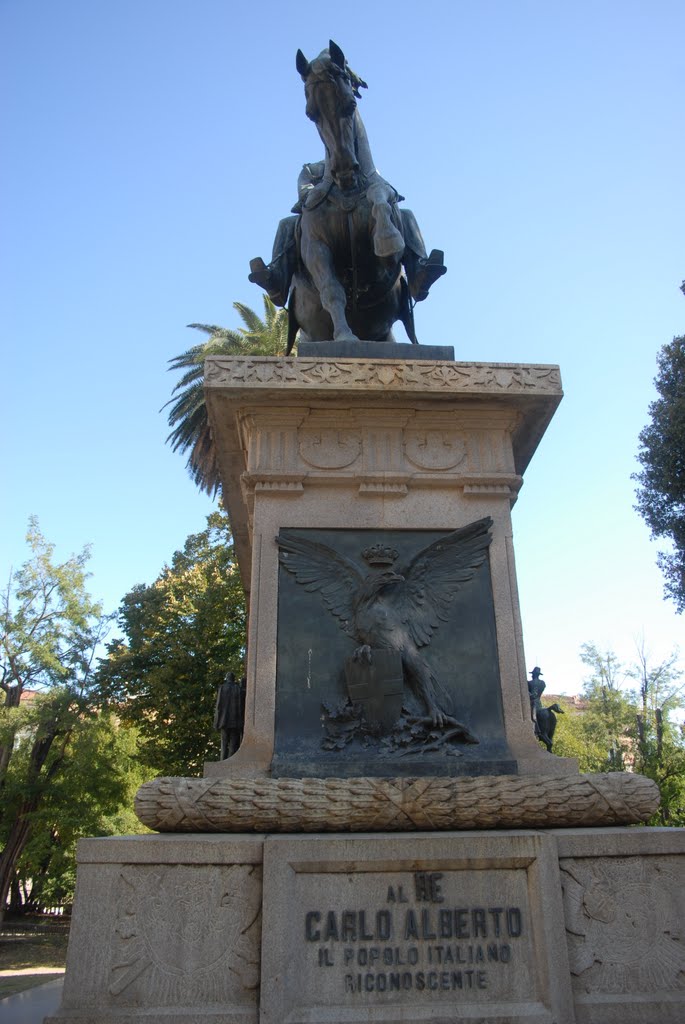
{"x": 282, "y": 424}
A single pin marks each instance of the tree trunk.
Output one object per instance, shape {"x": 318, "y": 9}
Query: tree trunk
{"x": 20, "y": 830}
{"x": 6, "y": 750}
{"x": 16, "y": 903}
{"x": 14, "y": 847}
{"x": 12, "y": 699}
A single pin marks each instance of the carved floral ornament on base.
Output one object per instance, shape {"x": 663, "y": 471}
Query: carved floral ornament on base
{"x": 492, "y": 378}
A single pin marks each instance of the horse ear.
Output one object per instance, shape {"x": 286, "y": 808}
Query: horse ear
{"x": 337, "y": 56}
{"x": 302, "y": 64}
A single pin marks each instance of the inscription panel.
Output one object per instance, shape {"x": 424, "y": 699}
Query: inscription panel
{"x": 430, "y": 926}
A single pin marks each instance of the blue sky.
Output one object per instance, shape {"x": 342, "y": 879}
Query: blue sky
{"x": 151, "y": 147}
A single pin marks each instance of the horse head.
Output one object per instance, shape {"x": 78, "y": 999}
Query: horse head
{"x": 330, "y": 89}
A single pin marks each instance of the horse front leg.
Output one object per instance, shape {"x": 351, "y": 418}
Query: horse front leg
{"x": 319, "y": 262}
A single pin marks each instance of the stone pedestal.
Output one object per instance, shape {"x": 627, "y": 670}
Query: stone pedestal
{"x": 350, "y": 454}
{"x": 563, "y": 926}
{"x": 374, "y": 448}
{"x": 382, "y": 911}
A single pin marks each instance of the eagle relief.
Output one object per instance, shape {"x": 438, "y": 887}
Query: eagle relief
{"x": 384, "y": 681}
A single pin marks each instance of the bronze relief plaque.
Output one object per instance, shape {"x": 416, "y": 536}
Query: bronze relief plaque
{"x": 387, "y": 659}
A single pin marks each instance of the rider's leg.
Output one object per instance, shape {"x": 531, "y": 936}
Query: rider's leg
{"x": 387, "y": 238}
{"x": 276, "y": 277}
{"x": 422, "y": 270}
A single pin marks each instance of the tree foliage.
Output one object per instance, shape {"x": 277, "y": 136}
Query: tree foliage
{"x": 91, "y": 795}
{"x": 597, "y": 732}
{"x": 661, "y": 491}
{"x": 50, "y": 629}
{"x": 616, "y": 728}
{"x": 576, "y": 736}
{"x": 658, "y": 740}
{"x": 188, "y": 413}
{"x": 181, "y": 635}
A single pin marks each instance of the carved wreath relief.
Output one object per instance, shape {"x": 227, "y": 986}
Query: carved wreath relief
{"x": 624, "y": 923}
{"x": 327, "y": 448}
{"x": 187, "y": 934}
{"x": 434, "y": 449}
{"x": 425, "y": 449}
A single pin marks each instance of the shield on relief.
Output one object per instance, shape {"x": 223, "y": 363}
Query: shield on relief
{"x": 378, "y": 687}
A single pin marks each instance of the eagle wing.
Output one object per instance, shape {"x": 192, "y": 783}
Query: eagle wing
{"x": 436, "y": 574}
{"x": 318, "y": 567}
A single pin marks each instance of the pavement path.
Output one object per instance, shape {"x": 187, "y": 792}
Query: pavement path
{"x": 30, "y": 1006}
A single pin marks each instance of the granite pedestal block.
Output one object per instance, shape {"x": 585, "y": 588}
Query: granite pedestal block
{"x": 575, "y": 926}
{"x": 373, "y": 350}
{"x": 366, "y": 450}
{"x": 379, "y": 911}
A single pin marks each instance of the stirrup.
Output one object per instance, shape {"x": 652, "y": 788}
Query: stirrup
{"x": 264, "y": 276}
{"x": 260, "y": 273}
{"x": 427, "y": 273}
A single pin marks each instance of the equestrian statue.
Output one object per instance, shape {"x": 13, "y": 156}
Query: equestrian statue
{"x": 349, "y": 262}
{"x": 544, "y": 718}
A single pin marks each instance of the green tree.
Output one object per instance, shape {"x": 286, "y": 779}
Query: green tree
{"x": 598, "y": 731}
{"x": 49, "y": 631}
{"x": 181, "y": 635}
{"x": 92, "y": 795}
{"x": 610, "y": 716}
{"x": 617, "y": 729}
{"x": 661, "y": 491}
{"x": 659, "y": 746}
{"x": 188, "y": 413}
{"x": 660, "y": 688}
{"x": 576, "y": 736}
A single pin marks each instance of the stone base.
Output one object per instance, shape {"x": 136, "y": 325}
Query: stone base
{"x": 354, "y": 450}
{"x": 394, "y": 804}
{"x": 567, "y": 926}
{"x": 373, "y": 350}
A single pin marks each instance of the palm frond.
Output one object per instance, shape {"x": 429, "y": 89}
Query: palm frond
{"x": 253, "y": 323}
{"x": 206, "y": 328}
{"x": 221, "y": 334}
{"x": 187, "y": 415}
{"x": 271, "y": 312}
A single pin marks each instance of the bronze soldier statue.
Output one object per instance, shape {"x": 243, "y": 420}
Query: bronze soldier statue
{"x": 228, "y": 715}
{"x": 544, "y": 719}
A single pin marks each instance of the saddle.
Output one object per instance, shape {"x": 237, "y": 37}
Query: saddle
{"x": 345, "y": 201}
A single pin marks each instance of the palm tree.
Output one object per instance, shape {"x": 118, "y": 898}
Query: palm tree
{"x": 188, "y": 414}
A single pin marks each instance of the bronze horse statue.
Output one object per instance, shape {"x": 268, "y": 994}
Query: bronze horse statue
{"x": 546, "y": 723}
{"x": 352, "y": 263}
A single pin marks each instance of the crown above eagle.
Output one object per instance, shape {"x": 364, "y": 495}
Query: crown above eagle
{"x": 380, "y": 556}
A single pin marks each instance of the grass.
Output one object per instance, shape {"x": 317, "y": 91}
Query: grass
{"x": 39, "y": 955}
